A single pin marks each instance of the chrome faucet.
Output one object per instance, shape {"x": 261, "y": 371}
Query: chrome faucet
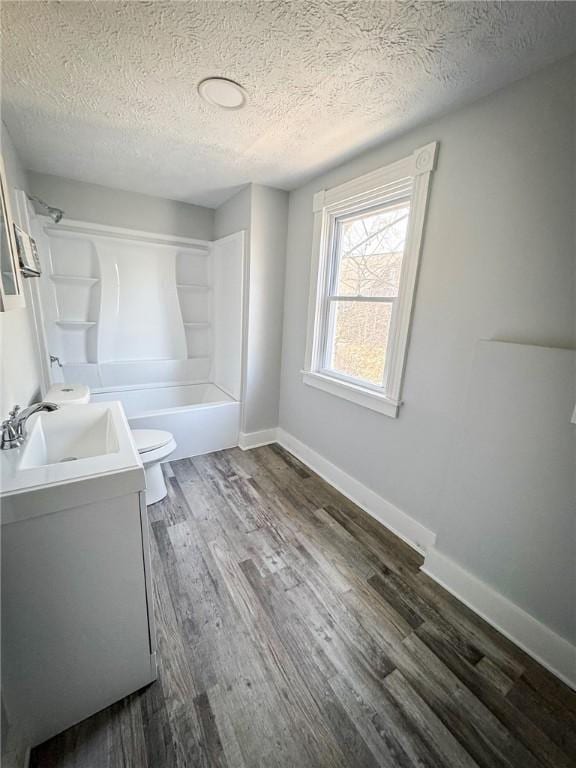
{"x": 14, "y": 427}
{"x": 9, "y": 437}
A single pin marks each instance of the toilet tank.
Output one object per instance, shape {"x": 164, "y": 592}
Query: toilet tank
{"x": 68, "y": 394}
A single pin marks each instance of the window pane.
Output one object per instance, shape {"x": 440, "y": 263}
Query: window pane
{"x": 359, "y": 339}
{"x": 370, "y": 249}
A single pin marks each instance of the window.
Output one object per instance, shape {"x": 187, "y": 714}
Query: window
{"x": 367, "y": 241}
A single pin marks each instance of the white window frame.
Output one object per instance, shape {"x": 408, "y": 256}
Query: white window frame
{"x": 406, "y": 179}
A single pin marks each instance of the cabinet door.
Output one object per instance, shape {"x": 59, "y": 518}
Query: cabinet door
{"x": 75, "y": 633}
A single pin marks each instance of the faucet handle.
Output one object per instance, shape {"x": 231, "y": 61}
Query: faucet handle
{"x": 9, "y": 437}
{"x": 14, "y": 411}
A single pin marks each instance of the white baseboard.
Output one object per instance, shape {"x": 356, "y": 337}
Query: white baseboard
{"x": 404, "y": 526}
{"x": 545, "y": 646}
{"x": 247, "y": 440}
{"x": 539, "y": 641}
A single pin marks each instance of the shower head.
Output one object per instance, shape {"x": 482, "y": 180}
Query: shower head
{"x": 54, "y": 213}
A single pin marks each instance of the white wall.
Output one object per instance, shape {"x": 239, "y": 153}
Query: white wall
{"x": 20, "y": 374}
{"x": 115, "y": 207}
{"x": 262, "y": 212}
{"x": 267, "y": 270}
{"x": 228, "y": 282}
{"x": 497, "y": 263}
{"x": 19, "y": 383}
{"x": 234, "y": 215}
{"x": 508, "y": 510}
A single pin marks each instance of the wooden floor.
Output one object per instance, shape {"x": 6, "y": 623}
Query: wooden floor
{"x": 295, "y": 631}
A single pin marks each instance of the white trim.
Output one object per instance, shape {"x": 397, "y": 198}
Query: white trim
{"x": 406, "y": 179}
{"x": 410, "y": 265}
{"x": 247, "y": 440}
{"x": 181, "y": 409}
{"x": 422, "y": 160}
{"x": 28, "y": 220}
{"x": 539, "y": 641}
{"x": 356, "y": 394}
{"x": 554, "y": 652}
{"x": 409, "y": 530}
{"x": 71, "y": 227}
{"x": 242, "y": 236}
{"x": 16, "y": 300}
{"x": 112, "y": 389}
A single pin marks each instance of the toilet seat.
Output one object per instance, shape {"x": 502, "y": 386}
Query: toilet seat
{"x": 150, "y": 439}
{"x": 148, "y": 458}
{"x": 154, "y": 445}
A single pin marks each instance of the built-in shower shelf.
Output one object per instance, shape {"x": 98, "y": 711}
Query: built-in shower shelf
{"x": 75, "y": 323}
{"x": 197, "y": 325}
{"x": 75, "y": 279}
{"x": 192, "y": 286}
{"x": 79, "y": 363}
{"x": 198, "y": 357}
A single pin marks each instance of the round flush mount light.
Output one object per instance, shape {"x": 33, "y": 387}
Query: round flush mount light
{"x": 222, "y": 93}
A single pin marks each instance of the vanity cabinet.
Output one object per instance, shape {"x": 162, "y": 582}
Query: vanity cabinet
{"x": 77, "y": 625}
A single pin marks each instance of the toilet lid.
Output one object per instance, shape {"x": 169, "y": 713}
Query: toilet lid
{"x": 150, "y": 439}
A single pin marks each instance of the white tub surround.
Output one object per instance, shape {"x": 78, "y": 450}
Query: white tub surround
{"x": 115, "y": 296}
{"x": 131, "y": 313}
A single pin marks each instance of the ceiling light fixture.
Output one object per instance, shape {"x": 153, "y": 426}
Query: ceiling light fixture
{"x": 222, "y": 92}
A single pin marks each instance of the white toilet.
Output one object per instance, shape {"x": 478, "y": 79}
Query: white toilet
{"x": 154, "y": 445}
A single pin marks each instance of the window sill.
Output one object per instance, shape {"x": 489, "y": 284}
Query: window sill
{"x": 355, "y": 394}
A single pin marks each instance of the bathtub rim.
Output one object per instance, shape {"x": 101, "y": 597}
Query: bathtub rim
{"x": 173, "y": 409}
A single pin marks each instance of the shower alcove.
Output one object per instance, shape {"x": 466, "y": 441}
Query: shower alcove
{"x": 151, "y": 320}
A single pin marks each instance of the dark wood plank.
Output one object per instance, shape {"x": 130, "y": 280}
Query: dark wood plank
{"x": 440, "y": 744}
{"x": 527, "y": 732}
{"x": 212, "y": 744}
{"x": 476, "y": 727}
{"x": 294, "y": 630}
{"x": 494, "y": 675}
{"x": 557, "y": 722}
{"x": 298, "y": 642}
{"x": 303, "y": 708}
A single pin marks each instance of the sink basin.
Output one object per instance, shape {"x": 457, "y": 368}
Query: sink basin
{"x": 69, "y": 434}
{"x": 77, "y": 452}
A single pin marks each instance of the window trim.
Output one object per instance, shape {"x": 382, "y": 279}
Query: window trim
{"x": 409, "y": 177}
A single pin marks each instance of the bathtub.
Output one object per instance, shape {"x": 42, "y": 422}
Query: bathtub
{"x": 202, "y": 417}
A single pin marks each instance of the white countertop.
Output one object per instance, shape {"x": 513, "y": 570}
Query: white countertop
{"x": 23, "y": 485}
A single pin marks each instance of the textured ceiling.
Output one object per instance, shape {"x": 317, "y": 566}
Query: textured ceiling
{"x": 106, "y": 91}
